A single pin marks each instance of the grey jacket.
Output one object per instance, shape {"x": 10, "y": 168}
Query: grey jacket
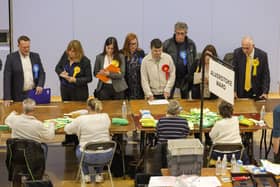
{"x": 118, "y": 81}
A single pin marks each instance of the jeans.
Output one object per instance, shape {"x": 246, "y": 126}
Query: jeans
{"x": 276, "y": 122}
{"x": 93, "y": 158}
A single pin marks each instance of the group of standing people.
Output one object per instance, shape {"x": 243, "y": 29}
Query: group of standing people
{"x": 129, "y": 73}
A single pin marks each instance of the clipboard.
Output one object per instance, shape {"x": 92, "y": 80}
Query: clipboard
{"x": 43, "y": 98}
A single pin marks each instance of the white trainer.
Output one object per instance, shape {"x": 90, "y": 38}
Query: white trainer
{"x": 87, "y": 178}
{"x": 99, "y": 178}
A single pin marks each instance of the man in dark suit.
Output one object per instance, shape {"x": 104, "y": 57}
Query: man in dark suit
{"x": 23, "y": 72}
{"x": 252, "y": 78}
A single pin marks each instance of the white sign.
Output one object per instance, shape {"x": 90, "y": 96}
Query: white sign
{"x": 221, "y": 81}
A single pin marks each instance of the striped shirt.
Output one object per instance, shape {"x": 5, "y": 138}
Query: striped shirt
{"x": 171, "y": 128}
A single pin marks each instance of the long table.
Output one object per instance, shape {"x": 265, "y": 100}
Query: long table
{"x": 113, "y": 108}
{"x": 56, "y": 110}
{"x": 246, "y": 107}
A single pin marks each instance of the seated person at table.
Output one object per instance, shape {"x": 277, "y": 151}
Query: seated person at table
{"x": 226, "y": 130}
{"x": 93, "y": 127}
{"x": 171, "y": 127}
{"x": 26, "y": 126}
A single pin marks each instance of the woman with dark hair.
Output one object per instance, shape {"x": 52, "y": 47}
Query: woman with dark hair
{"x": 196, "y": 80}
{"x": 196, "y": 74}
{"x": 133, "y": 58}
{"x": 109, "y": 68}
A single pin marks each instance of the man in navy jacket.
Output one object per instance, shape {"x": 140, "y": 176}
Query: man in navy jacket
{"x": 23, "y": 72}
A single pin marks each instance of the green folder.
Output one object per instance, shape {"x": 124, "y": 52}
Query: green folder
{"x": 119, "y": 121}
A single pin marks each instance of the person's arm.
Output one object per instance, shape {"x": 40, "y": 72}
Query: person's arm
{"x": 145, "y": 79}
{"x": 86, "y": 67}
{"x": 193, "y": 52}
{"x": 8, "y": 79}
{"x": 42, "y": 74}
{"x": 214, "y": 132}
{"x": 59, "y": 68}
{"x": 97, "y": 65}
{"x": 187, "y": 129}
{"x": 172, "y": 75}
{"x": 73, "y": 127}
{"x": 9, "y": 119}
{"x": 47, "y": 131}
{"x": 266, "y": 76}
{"x": 120, "y": 75}
{"x": 235, "y": 68}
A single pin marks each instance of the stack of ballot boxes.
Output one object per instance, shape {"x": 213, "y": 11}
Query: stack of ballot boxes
{"x": 185, "y": 156}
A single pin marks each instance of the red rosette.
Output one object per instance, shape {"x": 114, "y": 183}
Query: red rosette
{"x": 165, "y": 68}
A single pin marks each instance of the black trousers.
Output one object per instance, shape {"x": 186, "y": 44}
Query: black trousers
{"x": 107, "y": 92}
{"x": 74, "y": 93}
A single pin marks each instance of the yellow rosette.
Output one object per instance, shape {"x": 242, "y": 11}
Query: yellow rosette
{"x": 77, "y": 70}
{"x": 255, "y": 64}
{"x": 115, "y": 63}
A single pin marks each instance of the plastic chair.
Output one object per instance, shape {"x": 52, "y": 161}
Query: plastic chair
{"x": 98, "y": 146}
{"x": 225, "y": 148}
{"x": 24, "y": 160}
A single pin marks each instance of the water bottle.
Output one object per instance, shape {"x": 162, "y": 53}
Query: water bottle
{"x": 124, "y": 110}
{"x": 218, "y": 166}
{"x": 239, "y": 165}
{"x": 262, "y": 113}
{"x": 224, "y": 165}
{"x": 233, "y": 163}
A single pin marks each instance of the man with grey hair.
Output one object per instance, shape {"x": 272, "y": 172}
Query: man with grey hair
{"x": 171, "y": 126}
{"x": 183, "y": 52}
{"x": 252, "y": 77}
{"x": 26, "y": 126}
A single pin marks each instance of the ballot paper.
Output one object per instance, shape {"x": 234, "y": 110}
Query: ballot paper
{"x": 158, "y": 102}
{"x": 184, "y": 180}
{"x": 271, "y": 167}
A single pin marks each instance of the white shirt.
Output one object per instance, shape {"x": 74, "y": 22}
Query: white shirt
{"x": 106, "y": 64}
{"x": 90, "y": 128}
{"x": 28, "y": 127}
{"x": 226, "y": 131}
{"x": 28, "y": 83}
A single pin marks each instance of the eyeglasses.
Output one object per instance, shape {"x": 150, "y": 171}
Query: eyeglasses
{"x": 133, "y": 43}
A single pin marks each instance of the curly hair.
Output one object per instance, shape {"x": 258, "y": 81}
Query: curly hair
{"x": 225, "y": 109}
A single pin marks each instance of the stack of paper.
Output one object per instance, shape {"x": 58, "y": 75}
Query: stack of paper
{"x": 158, "y": 102}
{"x": 271, "y": 167}
{"x": 184, "y": 180}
